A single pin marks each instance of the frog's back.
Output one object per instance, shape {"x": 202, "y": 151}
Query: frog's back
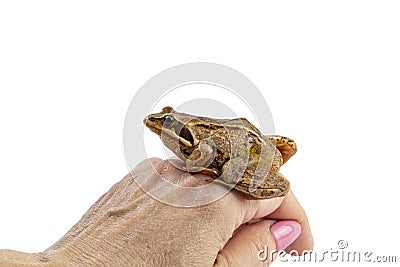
{"x": 259, "y": 147}
{"x": 243, "y": 138}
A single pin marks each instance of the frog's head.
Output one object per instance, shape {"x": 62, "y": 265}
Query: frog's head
{"x": 176, "y": 130}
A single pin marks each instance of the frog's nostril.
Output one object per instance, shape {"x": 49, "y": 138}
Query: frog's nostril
{"x": 149, "y": 118}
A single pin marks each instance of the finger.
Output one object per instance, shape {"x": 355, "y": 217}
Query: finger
{"x": 242, "y": 210}
{"x": 258, "y": 209}
{"x": 250, "y": 246}
{"x": 290, "y": 209}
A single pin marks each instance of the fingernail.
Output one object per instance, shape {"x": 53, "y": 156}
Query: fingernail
{"x": 285, "y": 232}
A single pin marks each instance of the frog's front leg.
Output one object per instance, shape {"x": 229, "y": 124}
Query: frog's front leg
{"x": 201, "y": 157}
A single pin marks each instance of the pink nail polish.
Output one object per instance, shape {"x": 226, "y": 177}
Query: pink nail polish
{"x": 285, "y": 232}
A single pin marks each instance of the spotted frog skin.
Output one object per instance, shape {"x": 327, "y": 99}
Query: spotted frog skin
{"x": 232, "y": 151}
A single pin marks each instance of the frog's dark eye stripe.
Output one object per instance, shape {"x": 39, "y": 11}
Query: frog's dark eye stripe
{"x": 168, "y": 121}
{"x": 185, "y": 134}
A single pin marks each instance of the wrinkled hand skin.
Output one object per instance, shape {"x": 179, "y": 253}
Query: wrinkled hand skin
{"x": 126, "y": 227}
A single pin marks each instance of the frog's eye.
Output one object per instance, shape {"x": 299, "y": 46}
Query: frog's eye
{"x": 168, "y": 121}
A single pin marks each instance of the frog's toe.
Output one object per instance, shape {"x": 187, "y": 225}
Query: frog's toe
{"x": 286, "y": 146}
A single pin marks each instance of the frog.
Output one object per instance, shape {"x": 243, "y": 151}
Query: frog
{"x": 233, "y": 152}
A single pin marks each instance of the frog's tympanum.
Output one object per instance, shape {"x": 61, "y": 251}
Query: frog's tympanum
{"x": 232, "y": 151}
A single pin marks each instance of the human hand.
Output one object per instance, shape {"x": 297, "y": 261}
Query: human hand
{"x": 126, "y": 227}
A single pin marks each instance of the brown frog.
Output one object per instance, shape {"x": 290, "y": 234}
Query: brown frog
{"x": 232, "y": 151}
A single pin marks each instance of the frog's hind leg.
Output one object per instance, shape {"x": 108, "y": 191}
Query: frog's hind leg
{"x": 285, "y": 145}
{"x": 274, "y": 185}
{"x": 252, "y": 185}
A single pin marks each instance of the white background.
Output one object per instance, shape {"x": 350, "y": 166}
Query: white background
{"x": 328, "y": 70}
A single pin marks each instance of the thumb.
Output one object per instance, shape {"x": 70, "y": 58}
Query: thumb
{"x": 253, "y": 244}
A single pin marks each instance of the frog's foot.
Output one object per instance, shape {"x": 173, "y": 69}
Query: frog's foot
{"x": 275, "y": 185}
{"x": 285, "y": 145}
{"x": 202, "y": 156}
